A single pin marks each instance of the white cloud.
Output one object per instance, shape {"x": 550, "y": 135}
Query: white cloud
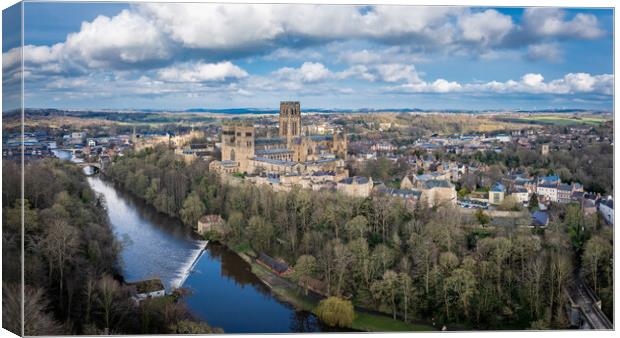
{"x": 126, "y": 38}
{"x": 201, "y": 72}
{"x": 150, "y": 35}
{"x": 550, "y": 22}
{"x": 308, "y": 72}
{"x": 394, "y": 54}
{"x": 395, "y": 72}
{"x": 531, "y": 83}
{"x": 386, "y": 72}
{"x": 545, "y": 51}
{"x": 487, "y": 28}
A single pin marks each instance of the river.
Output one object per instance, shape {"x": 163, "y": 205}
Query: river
{"x": 224, "y": 291}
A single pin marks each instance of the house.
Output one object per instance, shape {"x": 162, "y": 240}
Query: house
{"x": 209, "y": 223}
{"x": 521, "y": 195}
{"x": 540, "y": 218}
{"x": 565, "y": 192}
{"x": 148, "y": 288}
{"x": 588, "y": 206}
{"x": 548, "y": 191}
{"x": 436, "y": 192}
{"x": 606, "y": 208}
{"x": 496, "y": 194}
{"x": 409, "y": 197}
{"x": 357, "y": 186}
{"x": 272, "y": 264}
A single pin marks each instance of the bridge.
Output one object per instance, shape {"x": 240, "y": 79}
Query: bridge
{"x": 72, "y": 150}
{"x": 585, "y": 308}
{"x": 89, "y": 164}
{"x": 96, "y": 165}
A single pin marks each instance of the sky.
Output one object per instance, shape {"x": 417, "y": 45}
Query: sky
{"x": 181, "y": 56}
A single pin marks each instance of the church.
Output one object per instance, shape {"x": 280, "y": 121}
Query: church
{"x": 293, "y": 151}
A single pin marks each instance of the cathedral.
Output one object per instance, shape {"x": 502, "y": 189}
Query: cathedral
{"x": 293, "y": 151}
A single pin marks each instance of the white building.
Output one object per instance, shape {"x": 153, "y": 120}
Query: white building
{"x": 549, "y": 191}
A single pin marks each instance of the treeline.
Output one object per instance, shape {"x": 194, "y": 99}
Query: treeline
{"x": 425, "y": 264}
{"x": 72, "y": 281}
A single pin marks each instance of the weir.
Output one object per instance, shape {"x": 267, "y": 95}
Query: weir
{"x": 192, "y": 263}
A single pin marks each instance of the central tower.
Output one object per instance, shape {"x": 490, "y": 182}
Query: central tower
{"x": 290, "y": 119}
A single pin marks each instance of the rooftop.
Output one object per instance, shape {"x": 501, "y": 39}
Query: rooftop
{"x": 354, "y": 180}
{"x": 498, "y": 187}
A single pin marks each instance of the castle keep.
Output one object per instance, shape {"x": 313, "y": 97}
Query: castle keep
{"x": 292, "y": 151}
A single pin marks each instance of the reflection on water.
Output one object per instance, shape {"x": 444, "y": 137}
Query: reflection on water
{"x": 226, "y": 293}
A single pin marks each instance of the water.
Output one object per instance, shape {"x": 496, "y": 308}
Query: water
{"x": 153, "y": 245}
{"x": 224, "y": 291}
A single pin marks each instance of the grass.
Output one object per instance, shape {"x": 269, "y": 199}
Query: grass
{"x": 295, "y": 297}
{"x": 560, "y": 120}
{"x": 374, "y": 323}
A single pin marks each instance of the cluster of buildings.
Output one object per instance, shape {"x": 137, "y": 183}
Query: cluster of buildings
{"x": 293, "y": 157}
{"x": 33, "y": 146}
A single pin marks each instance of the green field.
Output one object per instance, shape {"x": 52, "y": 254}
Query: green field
{"x": 373, "y": 323}
{"x": 558, "y": 120}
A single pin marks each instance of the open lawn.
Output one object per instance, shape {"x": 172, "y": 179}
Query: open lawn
{"x": 558, "y": 120}
{"x": 373, "y": 323}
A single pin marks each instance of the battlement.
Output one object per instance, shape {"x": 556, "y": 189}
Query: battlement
{"x": 292, "y": 108}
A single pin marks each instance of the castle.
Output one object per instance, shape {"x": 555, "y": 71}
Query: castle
{"x": 293, "y": 151}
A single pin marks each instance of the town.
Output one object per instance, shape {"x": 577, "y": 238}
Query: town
{"x": 530, "y": 175}
{"x": 327, "y": 152}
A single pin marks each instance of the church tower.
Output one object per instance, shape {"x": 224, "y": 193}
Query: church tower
{"x": 290, "y": 120}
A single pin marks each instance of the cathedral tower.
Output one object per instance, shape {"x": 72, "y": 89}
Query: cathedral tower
{"x": 290, "y": 119}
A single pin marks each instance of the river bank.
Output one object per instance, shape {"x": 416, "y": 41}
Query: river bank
{"x": 291, "y": 293}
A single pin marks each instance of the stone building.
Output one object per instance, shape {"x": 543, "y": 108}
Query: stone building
{"x": 292, "y": 151}
{"x": 438, "y": 193}
{"x": 356, "y": 186}
{"x": 210, "y": 223}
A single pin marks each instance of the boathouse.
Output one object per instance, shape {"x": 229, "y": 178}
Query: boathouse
{"x": 272, "y": 264}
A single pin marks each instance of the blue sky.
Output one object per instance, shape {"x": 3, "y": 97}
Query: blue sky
{"x": 179, "y": 56}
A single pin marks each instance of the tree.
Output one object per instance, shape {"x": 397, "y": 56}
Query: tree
{"x": 510, "y": 203}
{"x": 482, "y": 217}
{"x": 193, "y": 209}
{"x": 406, "y": 290}
{"x": 235, "y": 222}
{"x": 60, "y": 245}
{"x": 108, "y": 290}
{"x": 533, "y": 204}
{"x": 597, "y": 253}
{"x": 463, "y": 283}
{"x": 261, "y": 232}
{"x": 357, "y": 227}
{"x": 190, "y": 327}
{"x": 337, "y": 312}
{"x": 342, "y": 259}
{"x": 387, "y": 289}
{"x": 305, "y": 270}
